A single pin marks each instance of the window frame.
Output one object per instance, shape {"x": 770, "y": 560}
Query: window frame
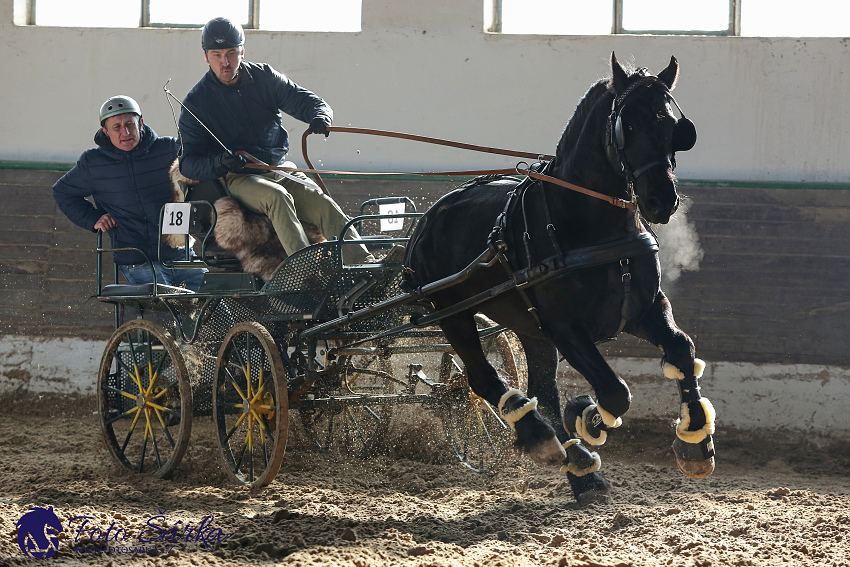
{"x": 145, "y": 16}
{"x": 733, "y": 29}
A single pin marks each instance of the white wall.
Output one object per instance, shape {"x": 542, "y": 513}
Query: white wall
{"x": 766, "y": 109}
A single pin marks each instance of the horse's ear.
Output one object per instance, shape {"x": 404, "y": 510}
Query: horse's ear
{"x": 619, "y": 78}
{"x": 670, "y": 75}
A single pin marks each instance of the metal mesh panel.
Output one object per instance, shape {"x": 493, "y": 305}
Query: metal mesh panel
{"x": 200, "y": 356}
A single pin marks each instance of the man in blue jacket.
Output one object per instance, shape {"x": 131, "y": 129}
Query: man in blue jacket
{"x": 127, "y": 174}
{"x": 240, "y": 102}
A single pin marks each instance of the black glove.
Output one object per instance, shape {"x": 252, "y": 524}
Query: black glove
{"x": 231, "y": 162}
{"x": 319, "y": 125}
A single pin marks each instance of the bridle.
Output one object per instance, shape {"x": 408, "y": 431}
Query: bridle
{"x": 684, "y": 134}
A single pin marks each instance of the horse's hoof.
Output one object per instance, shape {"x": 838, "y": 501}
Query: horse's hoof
{"x": 695, "y": 460}
{"x": 547, "y": 452}
{"x": 590, "y": 489}
{"x": 579, "y": 460}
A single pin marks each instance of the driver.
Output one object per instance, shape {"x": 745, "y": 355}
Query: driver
{"x": 241, "y": 103}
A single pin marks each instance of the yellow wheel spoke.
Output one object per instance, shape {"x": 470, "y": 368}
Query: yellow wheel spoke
{"x": 262, "y": 427}
{"x": 240, "y": 420}
{"x": 148, "y": 430}
{"x": 248, "y": 436}
{"x": 352, "y": 380}
{"x": 159, "y": 416}
{"x": 160, "y": 393}
{"x": 136, "y": 376}
{"x": 135, "y": 419}
{"x": 248, "y": 379}
{"x": 257, "y": 395}
{"x": 126, "y": 394}
{"x": 259, "y": 421}
{"x": 149, "y": 403}
{"x": 151, "y": 378}
{"x": 238, "y": 391}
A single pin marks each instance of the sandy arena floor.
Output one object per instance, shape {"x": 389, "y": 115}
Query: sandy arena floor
{"x": 772, "y": 501}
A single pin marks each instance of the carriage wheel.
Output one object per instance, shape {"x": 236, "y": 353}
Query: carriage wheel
{"x": 250, "y": 404}
{"x": 479, "y": 438}
{"x": 144, "y": 399}
{"x": 359, "y": 425}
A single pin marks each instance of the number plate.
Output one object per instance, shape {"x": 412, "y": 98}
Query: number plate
{"x": 391, "y": 224}
{"x": 175, "y": 219}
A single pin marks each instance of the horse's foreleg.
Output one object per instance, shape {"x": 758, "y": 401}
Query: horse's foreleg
{"x": 694, "y": 446}
{"x": 583, "y": 417}
{"x": 534, "y": 436}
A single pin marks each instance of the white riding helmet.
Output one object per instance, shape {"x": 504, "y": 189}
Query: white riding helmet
{"x": 119, "y": 104}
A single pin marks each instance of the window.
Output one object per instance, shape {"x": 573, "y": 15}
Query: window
{"x": 814, "y": 18}
{"x": 283, "y": 15}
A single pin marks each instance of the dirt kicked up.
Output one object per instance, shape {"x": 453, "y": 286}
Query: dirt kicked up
{"x": 768, "y": 503}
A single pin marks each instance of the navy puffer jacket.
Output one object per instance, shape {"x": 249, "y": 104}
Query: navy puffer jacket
{"x": 131, "y": 186}
{"x": 244, "y": 117}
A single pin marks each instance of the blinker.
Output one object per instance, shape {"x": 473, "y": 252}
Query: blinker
{"x": 684, "y": 135}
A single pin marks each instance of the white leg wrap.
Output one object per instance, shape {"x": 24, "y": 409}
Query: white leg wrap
{"x": 674, "y": 373}
{"x": 608, "y": 418}
{"x": 685, "y": 420}
{"x": 571, "y": 468}
{"x": 584, "y": 433}
{"x": 511, "y": 417}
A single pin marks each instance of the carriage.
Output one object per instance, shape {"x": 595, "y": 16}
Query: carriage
{"x": 247, "y": 352}
{"x": 569, "y": 259}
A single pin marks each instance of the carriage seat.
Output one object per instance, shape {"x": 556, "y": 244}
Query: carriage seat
{"x": 242, "y": 234}
{"x": 122, "y": 290}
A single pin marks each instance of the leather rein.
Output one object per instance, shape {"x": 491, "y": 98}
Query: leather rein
{"x": 519, "y": 169}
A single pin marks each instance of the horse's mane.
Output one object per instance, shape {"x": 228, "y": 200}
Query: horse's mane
{"x": 571, "y": 133}
{"x": 573, "y": 129}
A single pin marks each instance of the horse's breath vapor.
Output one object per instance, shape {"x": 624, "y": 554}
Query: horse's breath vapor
{"x": 679, "y": 247}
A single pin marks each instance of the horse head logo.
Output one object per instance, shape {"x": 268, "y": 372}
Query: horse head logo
{"x": 37, "y": 531}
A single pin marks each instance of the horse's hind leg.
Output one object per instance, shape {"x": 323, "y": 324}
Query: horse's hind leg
{"x": 534, "y": 436}
{"x": 582, "y": 416}
{"x": 693, "y": 446}
{"x": 542, "y": 361}
{"x": 581, "y": 465}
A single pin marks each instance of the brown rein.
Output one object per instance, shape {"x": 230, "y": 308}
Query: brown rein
{"x": 257, "y": 164}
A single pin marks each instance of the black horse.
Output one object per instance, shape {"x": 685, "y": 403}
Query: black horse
{"x": 579, "y": 269}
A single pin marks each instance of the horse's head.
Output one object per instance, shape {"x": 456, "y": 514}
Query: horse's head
{"x": 643, "y": 136}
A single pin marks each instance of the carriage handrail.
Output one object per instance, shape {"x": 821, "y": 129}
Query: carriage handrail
{"x": 358, "y": 220}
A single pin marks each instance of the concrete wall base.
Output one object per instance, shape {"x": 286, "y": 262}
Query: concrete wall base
{"x": 801, "y": 398}
{"x": 804, "y": 398}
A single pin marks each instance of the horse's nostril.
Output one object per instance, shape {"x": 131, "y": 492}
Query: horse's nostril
{"x": 653, "y": 205}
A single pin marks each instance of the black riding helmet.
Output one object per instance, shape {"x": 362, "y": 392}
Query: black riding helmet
{"x": 221, "y": 33}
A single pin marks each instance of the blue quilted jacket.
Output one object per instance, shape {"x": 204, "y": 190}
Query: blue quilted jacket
{"x": 244, "y": 117}
{"x": 131, "y": 186}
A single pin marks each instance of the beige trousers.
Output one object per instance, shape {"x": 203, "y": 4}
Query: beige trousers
{"x": 286, "y": 201}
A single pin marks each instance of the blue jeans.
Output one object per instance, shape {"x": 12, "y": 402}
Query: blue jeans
{"x": 190, "y": 278}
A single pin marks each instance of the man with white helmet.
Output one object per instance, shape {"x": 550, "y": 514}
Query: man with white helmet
{"x": 127, "y": 174}
{"x": 241, "y": 103}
